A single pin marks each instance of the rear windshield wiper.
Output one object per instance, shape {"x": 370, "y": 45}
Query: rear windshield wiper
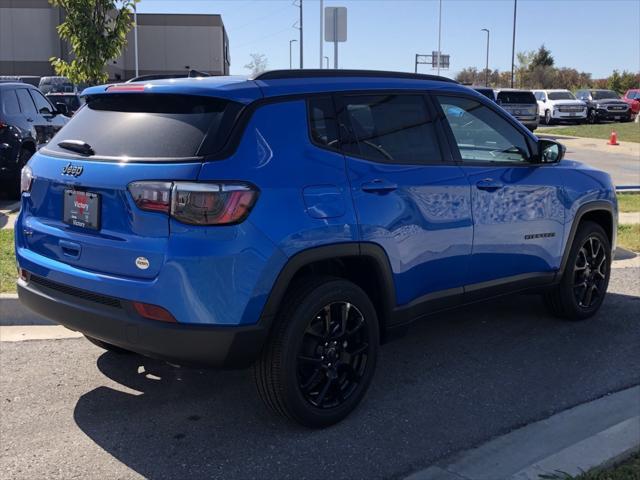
{"x": 77, "y": 146}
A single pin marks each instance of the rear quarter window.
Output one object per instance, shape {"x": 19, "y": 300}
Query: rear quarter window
{"x": 150, "y": 126}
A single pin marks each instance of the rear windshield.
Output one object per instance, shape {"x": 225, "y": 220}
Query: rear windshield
{"x": 603, "y": 94}
{"x": 150, "y": 126}
{"x": 561, "y": 96}
{"x": 71, "y": 101}
{"x": 516, "y": 97}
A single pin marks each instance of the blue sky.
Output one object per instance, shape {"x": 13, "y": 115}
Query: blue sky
{"x": 595, "y": 36}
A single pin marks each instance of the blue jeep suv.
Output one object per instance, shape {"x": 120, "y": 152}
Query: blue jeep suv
{"x": 295, "y": 221}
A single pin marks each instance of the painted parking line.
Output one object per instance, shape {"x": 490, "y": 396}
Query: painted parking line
{"x": 20, "y": 333}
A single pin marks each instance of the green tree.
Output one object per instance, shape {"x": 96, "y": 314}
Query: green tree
{"x": 96, "y": 31}
{"x": 614, "y": 82}
{"x": 542, "y": 58}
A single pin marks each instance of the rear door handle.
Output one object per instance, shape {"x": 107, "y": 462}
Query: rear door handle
{"x": 489, "y": 184}
{"x": 378, "y": 186}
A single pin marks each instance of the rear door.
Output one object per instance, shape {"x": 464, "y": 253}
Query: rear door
{"x": 37, "y": 124}
{"x": 131, "y": 137}
{"x": 517, "y": 204}
{"x": 409, "y": 198}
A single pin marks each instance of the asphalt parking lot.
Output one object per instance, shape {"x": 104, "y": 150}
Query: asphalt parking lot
{"x": 71, "y": 410}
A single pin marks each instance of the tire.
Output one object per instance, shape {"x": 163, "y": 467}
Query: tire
{"x": 13, "y": 186}
{"x": 568, "y": 299}
{"x": 106, "y": 346}
{"x": 547, "y": 117}
{"x": 300, "y": 361}
{"x": 591, "y": 117}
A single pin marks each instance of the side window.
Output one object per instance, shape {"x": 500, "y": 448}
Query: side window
{"x": 42, "y": 105}
{"x": 389, "y": 129}
{"x": 323, "y": 125}
{"x": 483, "y": 135}
{"x": 10, "y": 102}
{"x": 26, "y": 103}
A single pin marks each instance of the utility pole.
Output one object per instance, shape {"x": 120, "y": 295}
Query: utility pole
{"x": 301, "y": 39}
{"x": 321, "y": 29}
{"x": 486, "y": 68}
{"x": 439, "y": 32}
{"x": 513, "y": 43}
{"x": 135, "y": 38}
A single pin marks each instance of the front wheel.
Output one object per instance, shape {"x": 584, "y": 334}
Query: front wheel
{"x": 321, "y": 355}
{"x": 584, "y": 282}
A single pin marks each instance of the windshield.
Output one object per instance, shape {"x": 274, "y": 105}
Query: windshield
{"x": 561, "y": 96}
{"x": 603, "y": 94}
{"x": 507, "y": 96}
{"x": 633, "y": 95}
{"x": 150, "y": 126}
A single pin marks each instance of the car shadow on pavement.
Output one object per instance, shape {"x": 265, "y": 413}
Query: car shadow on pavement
{"x": 454, "y": 381}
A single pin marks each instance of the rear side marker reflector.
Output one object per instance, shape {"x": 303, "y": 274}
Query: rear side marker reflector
{"x": 153, "y": 312}
{"x": 196, "y": 203}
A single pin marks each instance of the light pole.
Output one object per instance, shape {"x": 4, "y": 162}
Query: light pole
{"x": 513, "y": 43}
{"x": 439, "y": 32}
{"x": 135, "y": 37}
{"x": 486, "y": 69}
{"x": 301, "y": 39}
{"x": 327, "y": 65}
{"x": 291, "y": 54}
{"x": 321, "y": 28}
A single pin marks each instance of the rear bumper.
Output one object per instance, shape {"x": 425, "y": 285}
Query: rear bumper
{"x": 114, "y": 321}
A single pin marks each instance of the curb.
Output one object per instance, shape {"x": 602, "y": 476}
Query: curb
{"x": 12, "y": 312}
{"x": 587, "y": 436}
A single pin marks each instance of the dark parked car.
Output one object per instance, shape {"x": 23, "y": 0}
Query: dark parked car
{"x": 71, "y": 100}
{"x": 604, "y": 105}
{"x": 487, "y": 92}
{"x": 27, "y": 121}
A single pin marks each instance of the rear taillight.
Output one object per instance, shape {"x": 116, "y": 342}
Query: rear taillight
{"x": 152, "y": 196}
{"x": 26, "y": 179}
{"x": 196, "y": 203}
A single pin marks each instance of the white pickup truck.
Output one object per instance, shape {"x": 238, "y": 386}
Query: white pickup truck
{"x": 556, "y": 105}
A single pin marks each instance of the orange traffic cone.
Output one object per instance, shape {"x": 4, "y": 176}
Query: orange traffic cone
{"x": 613, "y": 139}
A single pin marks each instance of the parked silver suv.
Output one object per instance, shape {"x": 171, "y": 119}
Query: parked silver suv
{"x": 521, "y": 104}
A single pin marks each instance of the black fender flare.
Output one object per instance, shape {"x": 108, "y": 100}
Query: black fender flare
{"x": 330, "y": 252}
{"x": 595, "y": 205}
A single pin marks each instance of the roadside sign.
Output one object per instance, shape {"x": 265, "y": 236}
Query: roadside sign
{"x": 335, "y": 24}
{"x": 444, "y": 60}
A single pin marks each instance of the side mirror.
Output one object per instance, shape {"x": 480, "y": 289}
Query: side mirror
{"x": 550, "y": 151}
{"x": 62, "y": 108}
{"x": 45, "y": 111}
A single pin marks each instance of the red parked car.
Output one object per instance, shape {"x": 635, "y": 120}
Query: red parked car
{"x": 632, "y": 97}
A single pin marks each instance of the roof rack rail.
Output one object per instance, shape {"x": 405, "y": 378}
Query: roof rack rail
{"x": 317, "y": 73}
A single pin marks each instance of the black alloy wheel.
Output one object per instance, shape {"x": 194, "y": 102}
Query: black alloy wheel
{"x": 590, "y": 272}
{"x": 333, "y": 356}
